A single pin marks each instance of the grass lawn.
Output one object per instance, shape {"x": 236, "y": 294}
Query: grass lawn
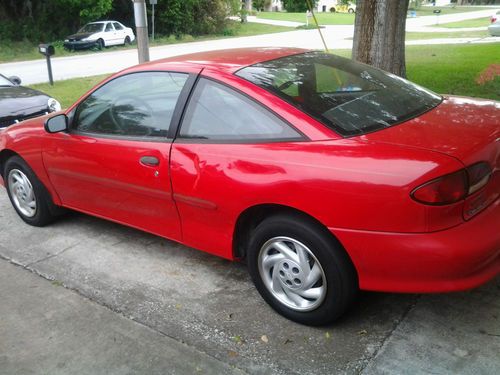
{"x": 446, "y": 69}
{"x": 475, "y": 22}
{"x": 323, "y": 18}
{"x": 21, "y": 51}
{"x": 453, "y": 69}
{"x": 428, "y": 11}
{"x": 68, "y": 91}
{"x": 327, "y": 18}
{"x": 457, "y": 34}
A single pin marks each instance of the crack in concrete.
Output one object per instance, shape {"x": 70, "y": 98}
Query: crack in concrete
{"x": 109, "y": 307}
{"x": 51, "y": 255}
{"x": 389, "y": 334}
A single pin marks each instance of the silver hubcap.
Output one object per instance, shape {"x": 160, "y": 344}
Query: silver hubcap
{"x": 22, "y": 193}
{"x": 292, "y": 274}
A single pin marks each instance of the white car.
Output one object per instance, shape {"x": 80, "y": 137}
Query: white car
{"x": 494, "y": 28}
{"x": 100, "y": 34}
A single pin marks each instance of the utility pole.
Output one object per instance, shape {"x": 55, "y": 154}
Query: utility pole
{"x": 141, "y": 29}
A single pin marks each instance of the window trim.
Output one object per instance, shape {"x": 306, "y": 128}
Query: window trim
{"x": 174, "y": 121}
{"x": 185, "y": 140}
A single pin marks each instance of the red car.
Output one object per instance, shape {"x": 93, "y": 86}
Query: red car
{"x": 325, "y": 175}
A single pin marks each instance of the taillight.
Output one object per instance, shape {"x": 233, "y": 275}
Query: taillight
{"x": 479, "y": 175}
{"x": 493, "y": 19}
{"x": 443, "y": 190}
{"x": 453, "y": 187}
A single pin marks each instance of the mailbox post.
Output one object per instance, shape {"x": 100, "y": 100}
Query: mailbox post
{"x": 48, "y": 50}
{"x": 437, "y": 12}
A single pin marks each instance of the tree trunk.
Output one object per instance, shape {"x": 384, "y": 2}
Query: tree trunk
{"x": 379, "y": 34}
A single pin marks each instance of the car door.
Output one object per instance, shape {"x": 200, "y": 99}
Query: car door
{"x": 114, "y": 160}
{"x": 228, "y": 156}
{"x": 120, "y": 33}
{"x": 110, "y": 38}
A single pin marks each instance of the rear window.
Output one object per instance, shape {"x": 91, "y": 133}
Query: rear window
{"x": 349, "y": 97}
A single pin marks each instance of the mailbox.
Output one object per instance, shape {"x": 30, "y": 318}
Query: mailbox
{"x": 46, "y": 49}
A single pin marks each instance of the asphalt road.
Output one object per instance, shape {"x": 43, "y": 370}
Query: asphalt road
{"x": 83, "y": 65}
{"x": 74, "y": 289}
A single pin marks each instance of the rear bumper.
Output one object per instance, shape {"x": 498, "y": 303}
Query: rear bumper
{"x": 459, "y": 258}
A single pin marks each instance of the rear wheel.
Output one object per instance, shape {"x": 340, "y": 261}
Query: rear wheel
{"x": 127, "y": 41}
{"x": 301, "y": 270}
{"x": 27, "y": 194}
{"x": 351, "y": 10}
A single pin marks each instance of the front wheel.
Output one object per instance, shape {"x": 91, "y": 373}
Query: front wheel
{"x": 100, "y": 44}
{"x": 27, "y": 194}
{"x": 301, "y": 270}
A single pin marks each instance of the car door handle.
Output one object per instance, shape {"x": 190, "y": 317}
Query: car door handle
{"x": 150, "y": 161}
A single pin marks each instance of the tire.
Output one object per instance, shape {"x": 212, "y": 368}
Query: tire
{"x": 100, "y": 44}
{"x": 350, "y": 10}
{"x": 28, "y": 196}
{"x": 332, "y": 10}
{"x": 127, "y": 41}
{"x": 325, "y": 276}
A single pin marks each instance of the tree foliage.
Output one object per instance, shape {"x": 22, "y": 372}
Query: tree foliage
{"x": 48, "y": 20}
{"x": 297, "y": 5}
{"x": 261, "y": 4}
{"x": 40, "y": 20}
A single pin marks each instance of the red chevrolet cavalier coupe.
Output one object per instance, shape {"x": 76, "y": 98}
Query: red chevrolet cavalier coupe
{"x": 326, "y": 175}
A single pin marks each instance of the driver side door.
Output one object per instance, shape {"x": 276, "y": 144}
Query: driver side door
{"x": 114, "y": 160}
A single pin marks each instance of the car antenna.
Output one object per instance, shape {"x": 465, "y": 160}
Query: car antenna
{"x": 309, "y": 5}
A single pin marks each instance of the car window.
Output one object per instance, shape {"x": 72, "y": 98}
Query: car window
{"x": 349, "y": 97}
{"x": 109, "y": 27}
{"x": 117, "y": 26}
{"x": 91, "y": 28}
{"x": 217, "y": 112}
{"x": 135, "y": 105}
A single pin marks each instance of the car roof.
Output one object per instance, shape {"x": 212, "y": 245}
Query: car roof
{"x": 103, "y": 21}
{"x": 229, "y": 60}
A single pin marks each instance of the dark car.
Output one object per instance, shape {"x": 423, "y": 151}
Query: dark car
{"x": 18, "y": 103}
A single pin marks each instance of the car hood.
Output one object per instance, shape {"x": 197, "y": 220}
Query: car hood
{"x": 464, "y": 128}
{"x": 19, "y": 101}
{"x": 79, "y": 36}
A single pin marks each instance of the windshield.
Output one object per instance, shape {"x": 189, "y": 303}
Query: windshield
{"x": 91, "y": 28}
{"x": 349, "y": 97}
{"x": 5, "y": 82}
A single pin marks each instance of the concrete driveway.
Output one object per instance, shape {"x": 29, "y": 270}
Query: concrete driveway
{"x": 141, "y": 302}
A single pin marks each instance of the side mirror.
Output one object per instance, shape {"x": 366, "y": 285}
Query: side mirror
{"x": 56, "y": 124}
{"x": 15, "y": 80}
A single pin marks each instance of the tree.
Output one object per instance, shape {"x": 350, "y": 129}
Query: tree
{"x": 43, "y": 20}
{"x": 297, "y": 5}
{"x": 379, "y": 34}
